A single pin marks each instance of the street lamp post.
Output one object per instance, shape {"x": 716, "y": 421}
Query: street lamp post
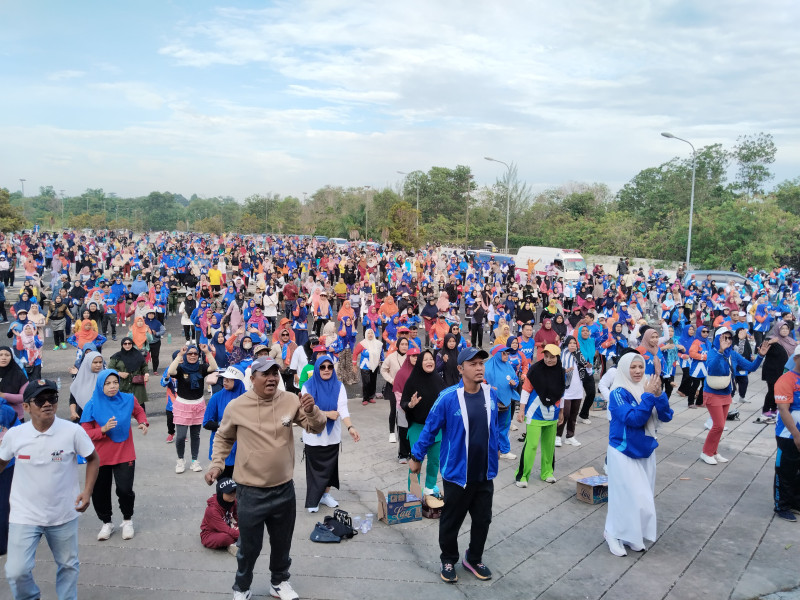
{"x": 508, "y": 194}
{"x": 416, "y": 183}
{"x": 22, "y": 181}
{"x": 691, "y": 199}
{"x": 366, "y": 214}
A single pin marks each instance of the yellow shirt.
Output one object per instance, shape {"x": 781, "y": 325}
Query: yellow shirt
{"x": 214, "y": 276}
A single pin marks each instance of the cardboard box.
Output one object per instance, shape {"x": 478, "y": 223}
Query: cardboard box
{"x": 400, "y": 506}
{"x": 592, "y": 487}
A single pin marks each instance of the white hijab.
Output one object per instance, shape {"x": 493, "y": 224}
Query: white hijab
{"x": 82, "y": 386}
{"x": 623, "y": 379}
{"x": 374, "y": 347}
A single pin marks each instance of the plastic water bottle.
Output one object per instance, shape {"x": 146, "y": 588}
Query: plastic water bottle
{"x": 58, "y": 384}
{"x": 169, "y": 338}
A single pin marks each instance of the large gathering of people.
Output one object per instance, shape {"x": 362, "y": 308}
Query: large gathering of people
{"x": 277, "y": 331}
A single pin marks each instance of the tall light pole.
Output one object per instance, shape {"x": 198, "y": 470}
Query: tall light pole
{"x": 366, "y": 214}
{"x": 691, "y": 199}
{"x": 466, "y": 224}
{"x": 22, "y": 181}
{"x": 508, "y": 194}
{"x": 62, "y": 208}
{"x": 416, "y": 183}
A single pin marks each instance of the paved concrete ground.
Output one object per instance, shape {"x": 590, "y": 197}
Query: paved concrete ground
{"x": 717, "y": 534}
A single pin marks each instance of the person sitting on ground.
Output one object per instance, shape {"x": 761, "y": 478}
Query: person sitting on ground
{"x": 220, "y": 528}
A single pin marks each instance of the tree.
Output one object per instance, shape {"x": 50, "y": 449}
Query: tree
{"x": 787, "y": 195}
{"x": 753, "y": 154}
{"x": 160, "y": 212}
{"x": 402, "y": 225}
{"x": 10, "y": 216}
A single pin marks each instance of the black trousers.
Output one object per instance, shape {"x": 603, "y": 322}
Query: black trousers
{"x": 273, "y": 507}
{"x": 170, "y": 423}
{"x": 769, "y": 399}
{"x": 122, "y": 474}
{"x": 475, "y": 499}
{"x": 188, "y": 332}
{"x": 591, "y": 391}
{"x": 58, "y": 337}
{"x": 787, "y": 475}
{"x": 742, "y": 381}
{"x": 403, "y": 445}
{"x": 3, "y": 310}
{"x": 155, "y": 352}
{"x": 369, "y": 380}
{"x": 476, "y": 335}
{"x": 686, "y": 381}
{"x": 110, "y": 320}
{"x": 696, "y": 389}
{"x": 388, "y": 394}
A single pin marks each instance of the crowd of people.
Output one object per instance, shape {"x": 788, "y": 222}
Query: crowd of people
{"x": 278, "y": 327}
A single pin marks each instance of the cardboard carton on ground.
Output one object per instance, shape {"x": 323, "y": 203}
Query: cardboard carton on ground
{"x": 592, "y": 487}
{"x": 399, "y": 506}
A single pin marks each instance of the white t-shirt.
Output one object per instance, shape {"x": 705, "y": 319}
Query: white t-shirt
{"x": 335, "y": 436}
{"x": 45, "y": 483}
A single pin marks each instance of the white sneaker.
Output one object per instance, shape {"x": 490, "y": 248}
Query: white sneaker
{"x": 180, "y": 466}
{"x": 392, "y": 438}
{"x": 584, "y": 421}
{"x": 328, "y": 500}
{"x": 241, "y": 595}
{"x": 550, "y": 479}
{"x": 514, "y": 427}
{"x": 615, "y": 546}
{"x": 558, "y": 441}
{"x": 521, "y": 484}
{"x": 283, "y": 591}
{"x": 105, "y": 532}
{"x": 573, "y": 441}
{"x": 233, "y": 549}
{"x": 196, "y": 467}
{"x": 709, "y": 460}
{"x": 720, "y": 459}
{"x": 127, "y": 530}
{"x": 634, "y": 547}
{"x": 509, "y": 456}
{"x": 313, "y": 509}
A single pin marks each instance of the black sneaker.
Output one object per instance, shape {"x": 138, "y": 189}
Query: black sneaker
{"x": 786, "y": 515}
{"x": 449, "y": 573}
{"x": 480, "y": 570}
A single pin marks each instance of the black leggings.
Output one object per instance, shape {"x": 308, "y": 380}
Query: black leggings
{"x": 696, "y": 388}
{"x": 180, "y": 440}
{"x": 188, "y": 332}
{"x": 58, "y": 337}
{"x": 477, "y": 334}
{"x": 686, "y": 381}
{"x": 170, "y": 423}
{"x": 155, "y": 351}
{"x": 742, "y": 381}
{"x": 769, "y": 399}
{"x": 591, "y": 391}
{"x": 668, "y": 386}
{"x": 388, "y": 394}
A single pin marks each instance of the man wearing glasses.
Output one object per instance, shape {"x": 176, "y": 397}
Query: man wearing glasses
{"x": 45, "y": 494}
{"x": 260, "y": 422}
{"x": 282, "y": 352}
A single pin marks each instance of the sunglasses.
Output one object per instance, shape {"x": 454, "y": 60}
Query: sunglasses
{"x": 192, "y": 354}
{"x": 327, "y": 367}
{"x": 49, "y": 399}
{"x": 284, "y": 335}
{"x": 127, "y": 343}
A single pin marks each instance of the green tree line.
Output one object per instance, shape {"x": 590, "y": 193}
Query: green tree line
{"x": 739, "y": 221}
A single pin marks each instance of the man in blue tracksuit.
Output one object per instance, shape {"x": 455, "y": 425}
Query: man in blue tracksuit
{"x": 466, "y": 414}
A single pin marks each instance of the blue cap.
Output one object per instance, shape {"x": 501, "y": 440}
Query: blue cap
{"x": 470, "y": 353}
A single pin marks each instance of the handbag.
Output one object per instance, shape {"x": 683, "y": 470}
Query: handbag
{"x": 138, "y": 380}
{"x": 720, "y": 382}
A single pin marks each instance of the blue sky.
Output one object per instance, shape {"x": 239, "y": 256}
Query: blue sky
{"x": 286, "y": 97}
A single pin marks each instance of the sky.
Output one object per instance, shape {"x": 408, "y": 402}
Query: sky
{"x": 286, "y": 97}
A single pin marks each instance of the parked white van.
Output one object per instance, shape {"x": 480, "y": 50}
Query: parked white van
{"x": 568, "y": 263}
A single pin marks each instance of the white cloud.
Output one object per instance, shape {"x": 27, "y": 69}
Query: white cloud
{"x": 65, "y": 74}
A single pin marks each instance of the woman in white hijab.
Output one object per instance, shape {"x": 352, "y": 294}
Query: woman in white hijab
{"x": 82, "y": 387}
{"x": 636, "y": 406}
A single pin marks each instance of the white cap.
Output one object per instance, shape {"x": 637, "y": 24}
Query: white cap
{"x": 721, "y": 331}
{"x": 233, "y": 373}
{"x": 742, "y": 313}
{"x": 796, "y": 350}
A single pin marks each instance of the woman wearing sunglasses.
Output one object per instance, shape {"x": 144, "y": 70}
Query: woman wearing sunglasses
{"x": 322, "y": 449}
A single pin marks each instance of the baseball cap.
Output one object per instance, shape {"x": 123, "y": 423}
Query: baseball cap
{"x": 226, "y": 485}
{"x": 403, "y": 330}
{"x": 470, "y": 353}
{"x": 233, "y": 373}
{"x": 259, "y": 348}
{"x": 38, "y": 386}
{"x": 263, "y": 364}
{"x": 412, "y": 351}
{"x": 552, "y": 349}
{"x": 721, "y": 331}
{"x": 796, "y": 350}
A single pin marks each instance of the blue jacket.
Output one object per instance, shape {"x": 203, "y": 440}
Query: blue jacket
{"x": 449, "y": 415}
{"x": 626, "y": 432}
{"x": 717, "y": 365}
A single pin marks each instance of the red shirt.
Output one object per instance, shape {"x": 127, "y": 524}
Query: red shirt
{"x": 114, "y": 453}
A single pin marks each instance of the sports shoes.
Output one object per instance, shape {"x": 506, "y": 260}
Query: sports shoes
{"x": 392, "y": 438}
{"x": 584, "y": 421}
{"x": 313, "y": 509}
{"x": 127, "y": 530}
{"x": 233, "y": 549}
{"x": 614, "y": 545}
{"x": 180, "y": 466}
{"x": 448, "y": 573}
{"x": 509, "y": 456}
{"x": 513, "y": 427}
{"x": 328, "y": 500}
{"x": 402, "y": 460}
{"x": 196, "y": 467}
{"x": 63, "y": 346}
{"x": 573, "y": 441}
{"x": 113, "y": 337}
{"x": 550, "y": 479}
{"x": 170, "y": 438}
{"x": 108, "y": 528}
{"x": 709, "y": 460}
{"x": 283, "y": 591}
{"x": 522, "y": 437}
{"x": 241, "y": 595}
{"x": 372, "y": 400}
{"x": 720, "y": 459}
{"x": 480, "y": 570}
{"x": 786, "y": 515}
{"x": 634, "y": 547}
{"x": 521, "y": 484}
{"x": 558, "y": 441}
{"x": 57, "y": 347}
{"x": 364, "y": 402}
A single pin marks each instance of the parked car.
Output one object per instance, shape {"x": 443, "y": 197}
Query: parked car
{"x": 721, "y": 278}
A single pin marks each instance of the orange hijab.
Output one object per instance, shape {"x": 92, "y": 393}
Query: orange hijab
{"x": 346, "y": 311}
{"x": 139, "y": 332}
{"x": 87, "y": 332}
